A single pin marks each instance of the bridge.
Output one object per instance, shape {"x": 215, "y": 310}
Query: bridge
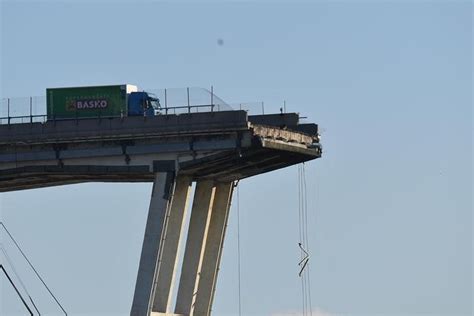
{"x": 213, "y": 149}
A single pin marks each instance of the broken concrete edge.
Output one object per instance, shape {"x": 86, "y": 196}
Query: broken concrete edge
{"x": 284, "y": 134}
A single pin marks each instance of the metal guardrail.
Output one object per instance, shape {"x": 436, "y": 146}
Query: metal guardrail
{"x": 24, "y": 119}
{"x": 25, "y": 110}
{"x": 173, "y": 101}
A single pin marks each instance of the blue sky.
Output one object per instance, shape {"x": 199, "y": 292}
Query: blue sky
{"x": 390, "y": 84}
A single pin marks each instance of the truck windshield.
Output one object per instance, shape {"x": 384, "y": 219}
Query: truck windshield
{"x": 154, "y": 101}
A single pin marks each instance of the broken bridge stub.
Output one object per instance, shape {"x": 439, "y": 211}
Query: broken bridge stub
{"x": 223, "y": 146}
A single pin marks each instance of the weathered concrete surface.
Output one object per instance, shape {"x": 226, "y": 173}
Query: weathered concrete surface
{"x": 155, "y": 227}
{"x": 165, "y": 275}
{"x": 195, "y": 243}
{"x": 287, "y": 121}
{"x": 283, "y": 135}
{"x": 213, "y": 250}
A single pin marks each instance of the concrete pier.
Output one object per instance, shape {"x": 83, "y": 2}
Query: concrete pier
{"x": 195, "y": 243}
{"x": 213, "y": 250}
{"x": 165, "y": 276}
{"x": 155, "y": 227}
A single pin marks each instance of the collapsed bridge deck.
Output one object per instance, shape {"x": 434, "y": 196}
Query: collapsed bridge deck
{"x": 222, "y": 146}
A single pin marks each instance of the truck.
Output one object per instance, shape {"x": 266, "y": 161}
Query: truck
{"x": 100, "y": 101}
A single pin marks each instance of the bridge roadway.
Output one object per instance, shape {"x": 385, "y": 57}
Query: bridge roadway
{"x": 224, "y": 146}
{"x": 213, "y": 149}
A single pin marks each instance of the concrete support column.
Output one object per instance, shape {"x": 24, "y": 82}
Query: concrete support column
{"x": 195, "y": 243}
{"x": 155, "y": 227}
{"x": 164, "y": 279}
{"x": 213, "y": 250}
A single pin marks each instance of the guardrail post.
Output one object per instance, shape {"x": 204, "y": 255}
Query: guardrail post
{"x": 166, "y": 103}
{"x": 189, "y": 105}
{"x": 31, "y": 109}
{"x": 8, "y": 110}
{"x": 212, "y": 99}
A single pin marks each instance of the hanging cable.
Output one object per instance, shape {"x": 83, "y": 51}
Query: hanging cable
{"x": 238, "y": 250}
{"x": 33, "y": 268}
{"x": 301, "y": 238}
{"x": 7, "y": 257}
{"x": 16, "y": 290}
{"x": 308, "y": 275}
{"x": 303, "y": 243}
{"x": 303, "y": 262}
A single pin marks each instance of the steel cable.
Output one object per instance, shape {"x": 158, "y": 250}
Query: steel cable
{"x": 16, "y": 289}
{"x": 33, "y": 268}
{"x": 10, "y": 262}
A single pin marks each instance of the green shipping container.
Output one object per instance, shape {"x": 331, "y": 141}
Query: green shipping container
{"x": 82, "y": 102}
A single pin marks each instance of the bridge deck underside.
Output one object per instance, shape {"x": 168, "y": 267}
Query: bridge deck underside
{"x": 226, "y": 166}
